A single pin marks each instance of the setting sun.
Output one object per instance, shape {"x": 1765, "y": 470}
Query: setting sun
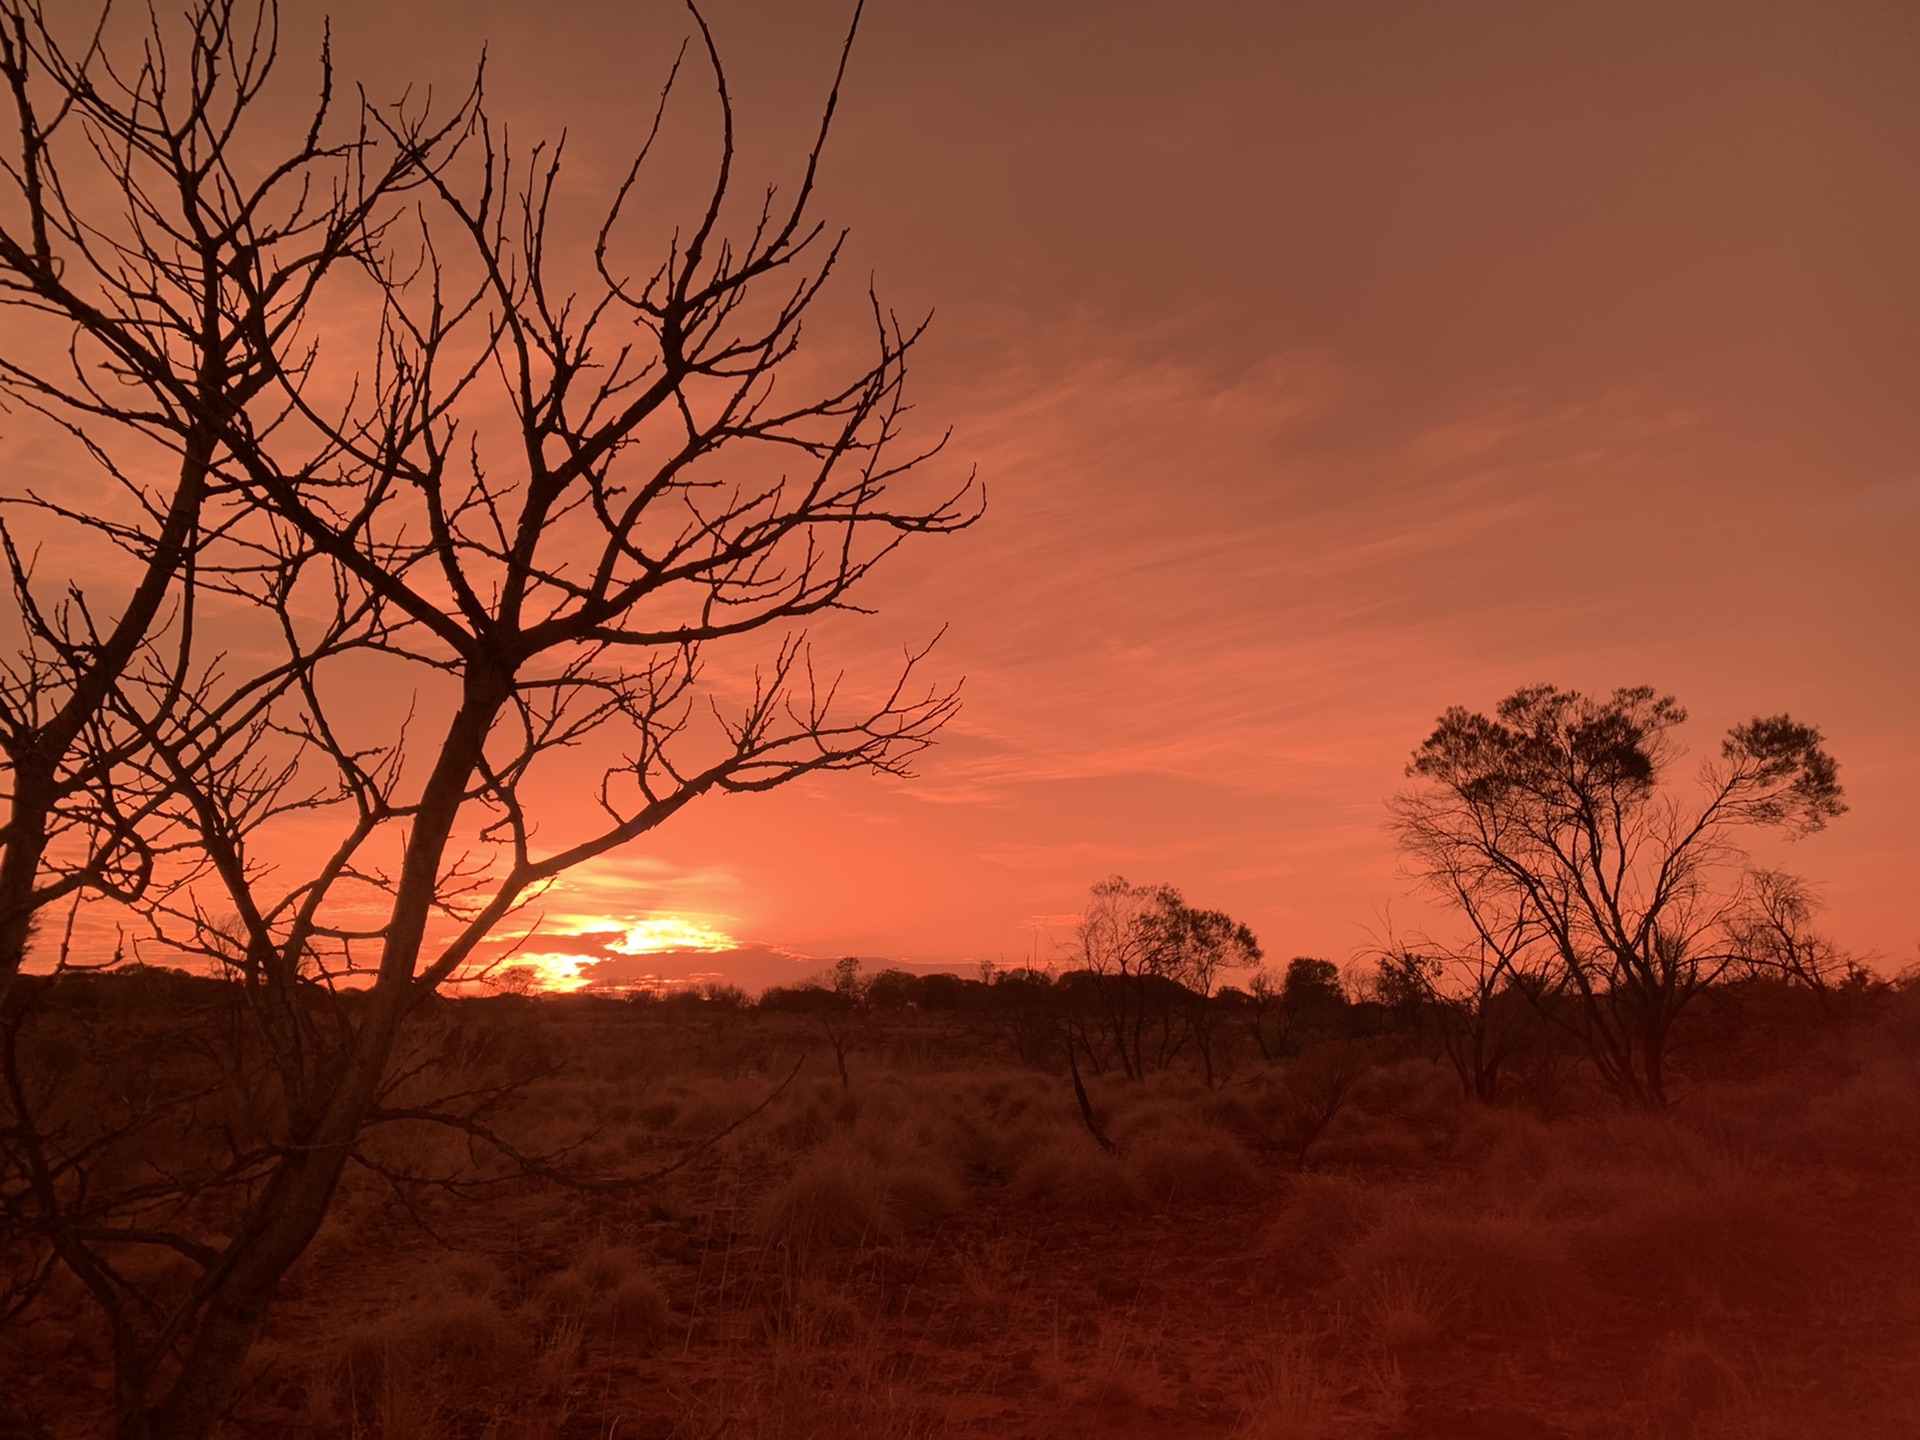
{"x": 561, "y": 967}
{"x": 661, "y": 933}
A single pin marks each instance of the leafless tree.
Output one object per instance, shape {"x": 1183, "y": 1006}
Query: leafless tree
{"x": 1773, "y": 934}
{"x": 1552, "y": 816}
{"x": 160, "y": 278}
{"x": 539, "y": 518}
{"x": 1467, "y": 998}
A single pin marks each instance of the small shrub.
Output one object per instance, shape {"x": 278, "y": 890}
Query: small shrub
{"x": 1200, "y": 1165}
{"x": 1067, "y": 1172}
{"x": 1496, "y": 1272}
{"x": 1324, "y": 1217}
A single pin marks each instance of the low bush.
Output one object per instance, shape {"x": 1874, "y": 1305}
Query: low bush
{"x": 1494, "y": 1272}
{"x": 608, "y": 1292}
{"x": 1197, "y": 1165}
{"x": 1067, "y": 1172}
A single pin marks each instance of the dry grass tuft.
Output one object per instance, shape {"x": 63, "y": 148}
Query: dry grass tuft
{"x": 1695, "y": 1387}
{"x": 1289, "y": 1394}
{"x": 1067, "y": 1172}
{"x": 441, "y": 1344}
{"x": 810, "y": 1315}
{"x": 1324, "y": 1217}
{"x": 920, "y": 1190}
{"x": 1233, "y": 1113}
{"x": 1721, "y": 1232}
{"x": 1403, "y": 1310}
{"x": 1509, "y": 1147}
{"x": 1373, "y": 1143}
{"x": 608, "y": 1292}
{"x": 470, "y": 1274}
{"x": 1200, "y": 1165}
{"x": 1498, "y": 1272}
{"x": 835, "y": 1197}
{"x": 841, "y": 1195}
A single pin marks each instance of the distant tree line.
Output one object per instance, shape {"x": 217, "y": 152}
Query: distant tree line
{"x": 1125, "y": 1021}
{"x": 1599, "y": 906}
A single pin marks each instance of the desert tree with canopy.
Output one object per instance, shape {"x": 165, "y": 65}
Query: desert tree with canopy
{"x": 1612, "y": 896}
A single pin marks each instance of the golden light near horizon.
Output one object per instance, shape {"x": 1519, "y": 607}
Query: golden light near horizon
{"x": 562, "y": 971}
{"x": 659, "y": 934}
{"x": 556, "y": 973}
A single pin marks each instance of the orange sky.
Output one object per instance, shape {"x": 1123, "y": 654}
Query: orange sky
{"x": 1327, "y": 365}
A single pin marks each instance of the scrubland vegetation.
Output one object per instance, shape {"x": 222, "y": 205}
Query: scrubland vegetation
{"x": 919, "y": 1234}
{"x": 429, "y": 541}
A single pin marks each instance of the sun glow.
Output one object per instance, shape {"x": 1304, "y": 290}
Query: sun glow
{"x": 556, "y": 973}
{"x": 659, "y": 934}
{"x": 560, "y": 970}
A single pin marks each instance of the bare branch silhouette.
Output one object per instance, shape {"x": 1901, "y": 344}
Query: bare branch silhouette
{"x": 547, "y": 503}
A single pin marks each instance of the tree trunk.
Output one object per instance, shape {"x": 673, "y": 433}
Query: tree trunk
{"x": 285, "y": 1219}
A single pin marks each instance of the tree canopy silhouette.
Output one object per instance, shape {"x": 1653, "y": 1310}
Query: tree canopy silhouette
{"x": 1150, "y": 962}
{"x": 1554, "y": 828}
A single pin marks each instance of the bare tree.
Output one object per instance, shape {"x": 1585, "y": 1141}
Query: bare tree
{"x": 163, "y": 249}
{"x": 1773, "y": 934}
{"x": 142, "y": 327}
{"x": 1552, "y": 816}
{"x": 1467, "y": 999}
{"x": 508, "y": 516}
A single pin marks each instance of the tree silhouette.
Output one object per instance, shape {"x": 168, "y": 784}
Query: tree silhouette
{"x": 1468, "y": 999}
{"x": 160, "y": 278}
{"x": 546, "y": 502}
{"x": 1149, "y": 963}
{"x": 1774, "y": 936}
{"x": 1551, "y": 826}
